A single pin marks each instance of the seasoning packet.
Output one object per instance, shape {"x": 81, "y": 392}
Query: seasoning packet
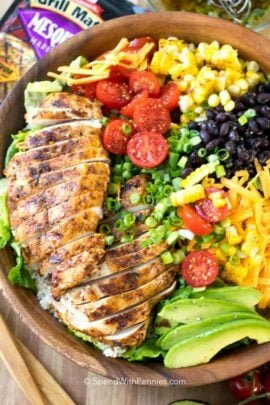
{"x": 31, "y": 28}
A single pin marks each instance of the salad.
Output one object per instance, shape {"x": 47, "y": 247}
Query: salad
{"x": 137, "y": 200}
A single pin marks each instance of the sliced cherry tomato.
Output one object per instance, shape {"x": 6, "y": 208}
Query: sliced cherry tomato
{"x": 147, "y": 149}
{"x": 200, "y": 268}
{"x": 206, "y": 209}
{"x": 137, "y": 101}
{"x": 152, "y": 116}
{"x": 113, "y": 94}
{"x": 194, "y": 222}
{"x": 120, "y": 73}
{"x": 266, "y": 381}
{"x": 169, "y": 95}
{"x": 136, "y": 44}
{"x": 115, "y": 139}
{"x": 243, "y": 386}
{"x": 140, "y": 81}
{"x": 87, "y": 90}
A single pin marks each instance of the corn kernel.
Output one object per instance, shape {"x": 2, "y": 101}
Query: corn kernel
{"x": 198, "y": 97}
{"x": 242, "y": 83}
{"x": 253, "y": 66}
{"x": 185, "y": 103}
{"x": 213, "y": 100}
{"x": 234, "y": 90}
{"x": 229, "y": 106}
{"x": 224, "y": 96}
{"x": 189, "y": 78}
{"x": 189, "y": 195}
{"x": 182, "y": 85}
{"x": 220, "y": 83}
{"x": 199, "y": 110}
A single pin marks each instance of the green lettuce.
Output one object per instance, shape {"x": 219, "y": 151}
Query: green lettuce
{"x": 18, "y": 138}
{"x": 87, "y": 338}
{"x": 19, "y": 274}
{"x": 148, "y": 350}
{"x": 5, "y": 233}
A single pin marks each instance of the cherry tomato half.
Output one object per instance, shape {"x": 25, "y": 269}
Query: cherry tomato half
{"x": 147, "y": 149}
{"x": 120, "y": 73}
{"x": 206, "y": 209}
{"x": 152, "y": 116}
{"x": 140, "y": 81}
{"x": 199, "y": 268}
{"x": 243, "y": 386}
{"x": 266, "y": 381}
{"x": 87, "y": 90}
{"x": 194, "y": 222}
{"x": 113, "y": 94}
{"x": 115, "y": 138}
{"x": 136, "y": 44}
{"x": 128, "y": 110}
{"x": 169, "y": 95}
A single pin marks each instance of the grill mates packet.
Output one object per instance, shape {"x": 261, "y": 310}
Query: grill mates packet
{"x": 30, "y": 28}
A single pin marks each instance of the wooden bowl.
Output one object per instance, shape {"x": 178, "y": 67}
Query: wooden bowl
{"x": 91, "y": 43}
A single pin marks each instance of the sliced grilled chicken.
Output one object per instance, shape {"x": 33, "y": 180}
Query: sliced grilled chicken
{"x": 37, "y": 248}
{"x": 20, "y": 189}
{"x": 61, "y": 132}
{"x": 72, "y": 249}
{"x": 84, "y": 191}
{"x": 117, "y": 283}
{"x": 136, "y": 184}
{"x": 60, "y": 107}
{"x": 115, "y": 303}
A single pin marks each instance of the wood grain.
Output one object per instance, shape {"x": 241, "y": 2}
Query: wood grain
{"x": 91, "y": 43}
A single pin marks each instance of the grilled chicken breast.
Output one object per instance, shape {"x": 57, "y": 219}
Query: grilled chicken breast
{"x": 57, "y": 186}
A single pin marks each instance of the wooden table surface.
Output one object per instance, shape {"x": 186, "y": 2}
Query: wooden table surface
{"x": 87, "y": 388}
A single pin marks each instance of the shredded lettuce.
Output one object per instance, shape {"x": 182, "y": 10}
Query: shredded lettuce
{"x": 148, "y": 350}
{"x": 87, "y": 338}
{"x": 5, "y": 233}
{"x": 19, "y": 274}
{"x": 18, "y": 138}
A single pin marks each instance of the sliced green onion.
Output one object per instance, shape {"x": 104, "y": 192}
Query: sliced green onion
{"x": 178, "y": 256}
{"x": 127, "y": 238}
{"x": 202, "y": 152}
{"x": 220, "y": 171}
{"x": 166, "y": 178}
{"x": 167, "y": 257}
{"x": 105, "y": 229}
{"x": 126, "y": 175}
{"x": 174, "y": 219}
{"x": 212, "y": 158}
{"x": 172, "y": 238}
{"x": 160, "y": 209}
{"x": 182, "y": 162}
{"x": 175, "y": 173}
{"x": 184, "y": 131}
{"x": 173, "y": 160}
{"x": 219, "y": 230}
{"x": 117, "y": 169}
{"x": 225, "y": 247}
{"x": 206, "y": 238}
{"x": 176, "y": 182}
{"x": 135, "y": 198}
{"x": 187, "y": 147}
{"x": 151, "y": 222}
{"x": 127, "y": 129}
{"x": 243, "y": 120}
{"x": 195, "y": 141}
{"x": 225, "y": 223}
{"x": 223, "y": 154}
{"x": 234, "y": 260}
{"x": 145, "y": 243}
{"x": 119, "y": 225}
{"x": 104, "y": 121}
{"x": 129, "y": 220}
{"x": 113, "y": 204}
{"x": 193, "y": 133}
{"x": 113, "y": 188}
{"x": 148, "y": 199}
{"x": 250, "y": 113}
{"x": 109, "y": 240}
{"x": 167, "y": 190}
{"x": 158, "y": 234}
{"x": 127, "y": 166}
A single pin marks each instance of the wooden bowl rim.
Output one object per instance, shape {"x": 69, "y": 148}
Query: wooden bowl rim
{"x": 51, "y": 331}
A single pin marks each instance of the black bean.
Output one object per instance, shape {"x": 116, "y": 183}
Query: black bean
{"x": 186, "y": 171}
{"x": 206, "y": 137}
{"x": 231, "y": 116}
{"x": 221, "y": 117}
{"x": 175, "y": 115}
{"x": 245, "y": 99}
{"x": 264, "y": 156}
{"x": 263, "y": 98}
{"x": 219, "y": 108}
{"x": 239, "y": 106}
{"x": 230, "y": 146}
{"x": 261, "y": 88}
{"x": 255, "y": 143}
{"x": 210, "y": 114}
{"x": 224, "y": 129}
{"x": 242, "y": 153}
{"x": 194, "y": 158}
{"x": 204, "y": 126}
{"x": 264, "y": 142}
{"x": 265, "y": 110}
{"x": 264, "y": 123}
{"x": 212, "y": 144}
{"x": 238, "y": 163}
{"x": 233, "y": 135}
{"x": 252, "y": 124}
{"x": 267, "y": 87}
{"x": 212, "y": 127}
{"x": 193, "y": 125}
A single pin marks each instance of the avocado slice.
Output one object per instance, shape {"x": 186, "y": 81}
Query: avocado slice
{"x": 183, "y": 332}
{"x": 192, "y": 310}
{"x": 247, "y": 296}
{"x": 202, "y": 348}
